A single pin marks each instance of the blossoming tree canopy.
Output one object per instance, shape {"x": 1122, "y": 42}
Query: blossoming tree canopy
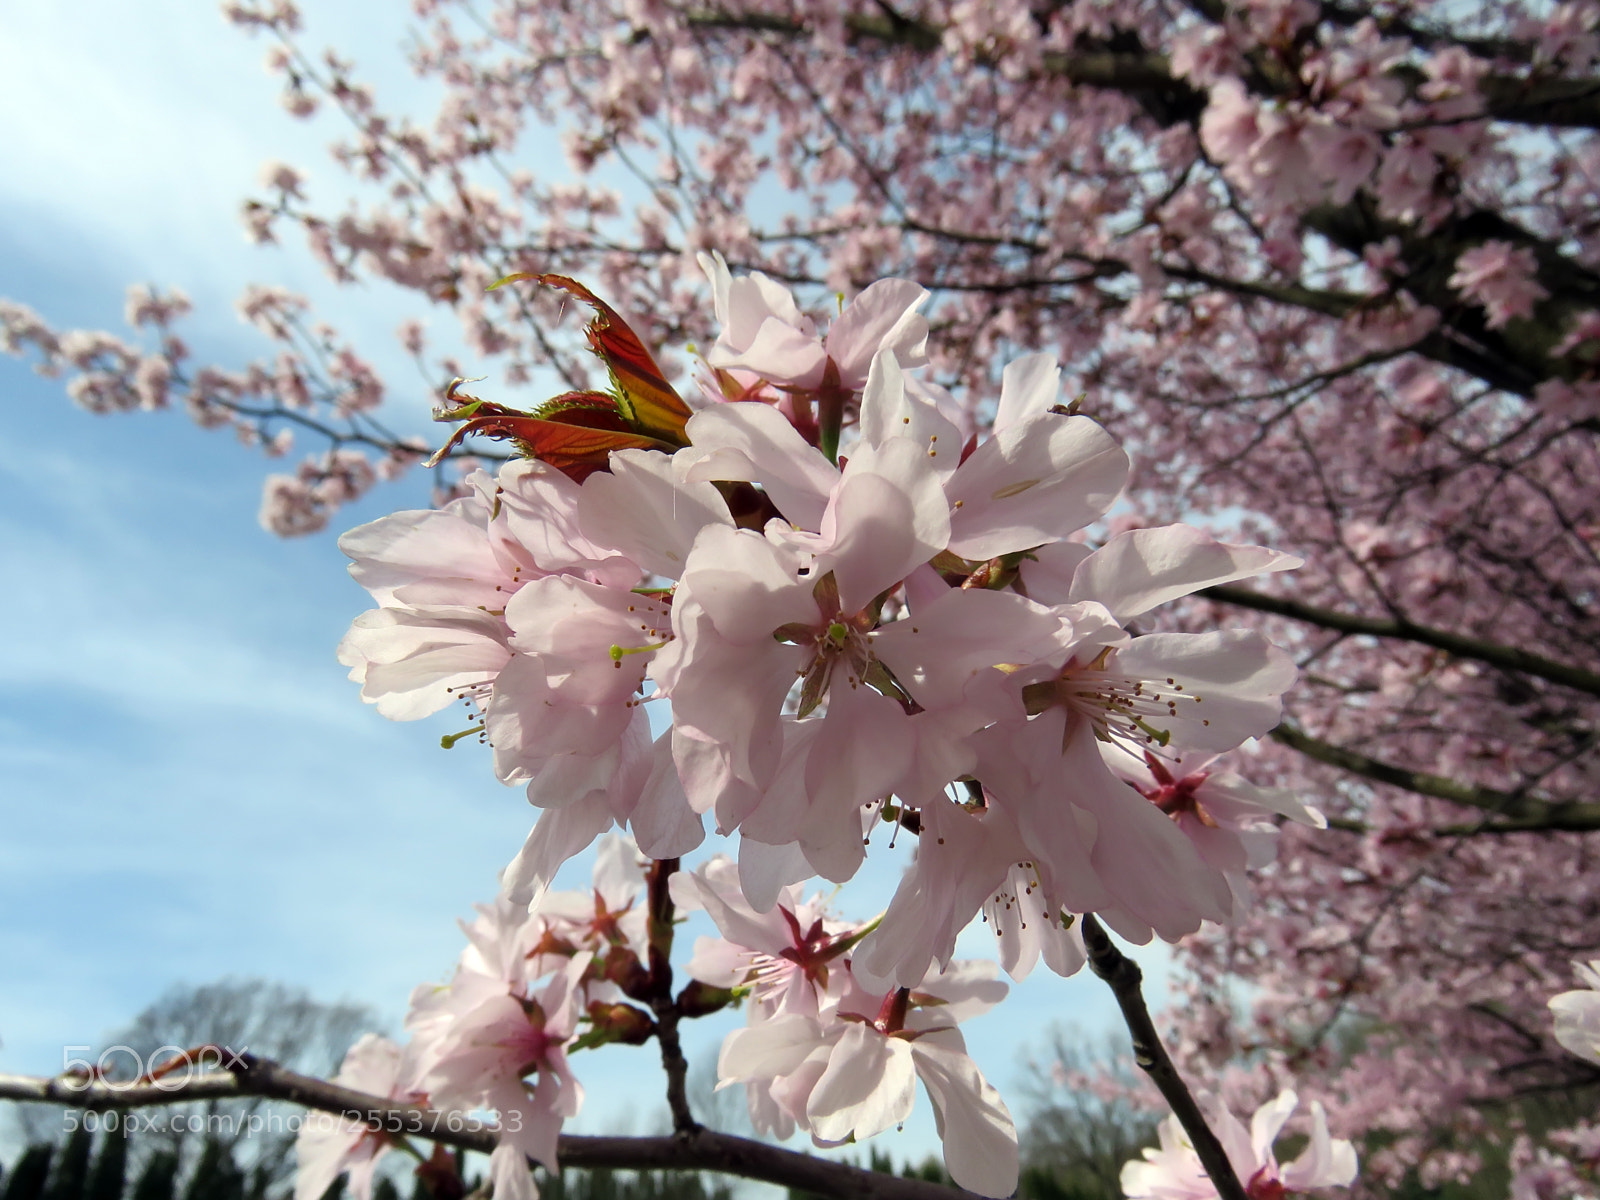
{"x": 845, "y": 615}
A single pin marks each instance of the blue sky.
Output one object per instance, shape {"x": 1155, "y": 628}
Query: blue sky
{"x": 191, "y": 788}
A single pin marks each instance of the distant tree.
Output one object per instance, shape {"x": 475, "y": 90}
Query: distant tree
{"x": 26, "y": 1180}
{"x": 71, "y": 1169}
{"x": 109, "y": 1175}
{"x": 272, "y": 1020}
{"x": 215, "y": 1175}
{"x": 1085, "y": 1121}
{"x": 158, "y": 1180}
{"x": 930, "y": 1169}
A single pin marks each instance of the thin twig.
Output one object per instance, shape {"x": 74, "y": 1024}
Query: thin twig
{"x": 661, "y": 1001}
{"x": 1124, "y": 976}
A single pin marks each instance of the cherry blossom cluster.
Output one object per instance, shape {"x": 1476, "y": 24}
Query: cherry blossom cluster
{"x": 1172, "y": 1170}
{"x": 834, "y": 640}
{"x": 821, "y": 1051}
{"x": 497, "y": 1035}
{"x": 812, "y": 605}
{"x": 830, "y": 1054}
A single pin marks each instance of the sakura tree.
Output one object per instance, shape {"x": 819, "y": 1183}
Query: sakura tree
{"x": 1326, "y": 273}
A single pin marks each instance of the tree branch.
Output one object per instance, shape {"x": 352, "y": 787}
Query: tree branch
{"x": 1570, "y": 823}
{"x": 1508, "y": 658}
{"x": 1566, "y": 103}
{"x": 1522, "y": 813}
{"x": 700, "y": 1150}
{"x": 1124, "y": 976}
{"x": 661, "y": 1001}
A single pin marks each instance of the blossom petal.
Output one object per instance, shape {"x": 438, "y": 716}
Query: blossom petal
{"x": 937, "y": 650}
{"x": 643, "y": 509}
{"x": 765, "y": 1049}
{"x": 557, "y": 835}
{"x": 869, "y": 1086}
{"x": 778, "y": 352}
{"x": 743, "y": 583}
{"x": 889, "y": 410}
{"x": 1237, "y": 675}
{"x": 508, "y": 1168}
{"x": 980, "y": 1138}
{"x": 663, "y": 823}
{"x": 1269, "y": 1119}
{"x": 886, "y": 519}
{"x": 755, "y": 443}
{"x": 1326, "y": 1162}
{"x": 882, "y": 318}
{"x": 1033, "y": 483}
{"x": 764, "y": 871}
{"x": 1137, "y": 570}
{"x": 1029, "y": 386}
{"x": 1577, "y": 1023}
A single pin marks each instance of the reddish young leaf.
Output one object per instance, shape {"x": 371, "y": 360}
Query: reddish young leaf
{"x": 575, "y": 432}
{"x": 651, "y": 404}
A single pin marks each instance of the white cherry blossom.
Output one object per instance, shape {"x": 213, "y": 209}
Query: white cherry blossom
{"x": 1577, "y": 1014}
{"x": 1172, "y": 1171}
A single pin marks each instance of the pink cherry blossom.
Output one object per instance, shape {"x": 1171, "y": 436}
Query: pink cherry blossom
{"x": 1173, "y": 1171}
{"x": 486, "y": 1046}
{"x": 1231, "y": 822}
{"x": 782, "y": 955}
{"x": 968, "y": 859}
{"x": 1577, "y": 1014}
{"x": 330, "y": 1146}
{"x": 764, "y": 332}
{"x": 1501, "y": 278}
{"x": 851, "y": 1071}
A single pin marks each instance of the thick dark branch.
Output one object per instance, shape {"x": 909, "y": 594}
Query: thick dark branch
{"x": 1516, "y": 357}
{"x": 1582, "y": 821}
{"x": 1124, "y": 976}
{"x": 1330, "y": 304}
{"x": 1508, "y": 658}
{"x": 1530, "y": 811}
{"x": 701, "y": 1150}
{"x": 1563, "y": 103}
{"x": 1443, "y": 345}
